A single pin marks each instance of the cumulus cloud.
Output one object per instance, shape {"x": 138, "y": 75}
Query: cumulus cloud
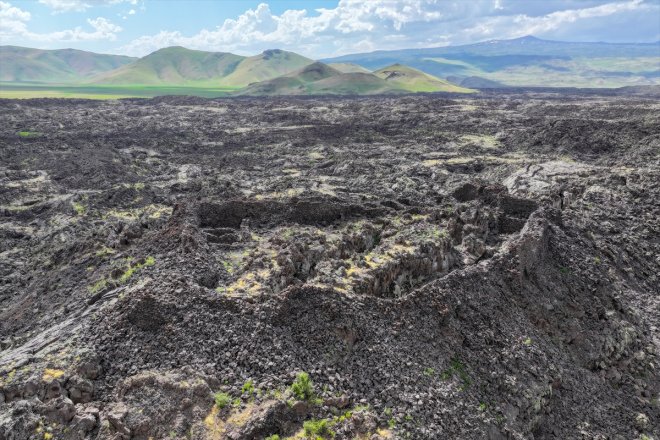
{"x": 12, "y": 19}
{"x": 522, "y": 24}
{"x": 362, "y": 25}
{"x": 80, "y": 5}
{"x": 14, "y": 24}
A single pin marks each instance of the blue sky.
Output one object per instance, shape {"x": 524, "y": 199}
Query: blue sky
{"x": 316, "y": 28}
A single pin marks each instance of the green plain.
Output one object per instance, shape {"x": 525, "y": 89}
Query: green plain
{"x": 26, "y": 91}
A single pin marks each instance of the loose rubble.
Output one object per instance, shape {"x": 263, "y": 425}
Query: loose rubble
{"x": 482, "y": 267}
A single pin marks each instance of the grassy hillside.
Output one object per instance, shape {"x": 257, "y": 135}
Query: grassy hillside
{"x": 529, "y": 61}
{"x": 265, "y": 66}
{"x": 176, "y": 66}
{"x": 22, "y": 64}
{"x": 181, "y": 67}
{"x": 319, "y": 78}
{"x": 413, "y": 80}
{"x": 354, "y": 84}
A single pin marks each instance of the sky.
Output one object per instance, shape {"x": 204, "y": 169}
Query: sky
{"x": 316, "y": 28}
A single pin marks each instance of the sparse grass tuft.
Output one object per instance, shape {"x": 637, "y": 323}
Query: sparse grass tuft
{"x": 222, "y": 399}
{"x": 248, "y": 387}
{"x": 317, "y": 429}
{"x": 79, "y": 208}
{"x": 149, "y": 261}
{"x": 457, "y": 368}
{"x": 28, "y": 134}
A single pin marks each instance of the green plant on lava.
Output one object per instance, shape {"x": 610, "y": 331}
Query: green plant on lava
{"x": 222, "y": 399}
{"x": 79, "y": 208}
{"x": 149, "y": 261}
{"x": 248, "y": 387}
{"x": 316, "y": 429}
{"x": 28, "y": 134}
{"x": 302, "y": 387}
{"x": 457, "y": 368}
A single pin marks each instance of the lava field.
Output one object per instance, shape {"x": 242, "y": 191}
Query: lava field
{"x": 412, "y": 267}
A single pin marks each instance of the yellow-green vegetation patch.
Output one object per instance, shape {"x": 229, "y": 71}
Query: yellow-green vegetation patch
{"x": 481, "y": 140}
{"x": 79, "y": 208}
{"x": 152, "y": 211}
{"x": 98, "y": 286}
{"x": 28, "y": 134}
{"x": 316, "y": 155}
{"x": 51, "y": 374}
{"x": 8, "y": 378}
{"x": 149, "y": 261}
{"x": 290, "y": 192}
{"x": 104, "y": 251}
{"x": 128, "y": 272}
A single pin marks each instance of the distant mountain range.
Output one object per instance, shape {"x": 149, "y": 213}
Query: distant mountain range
{"x": 22, "y": 64}
{"x": 526, "y": 61}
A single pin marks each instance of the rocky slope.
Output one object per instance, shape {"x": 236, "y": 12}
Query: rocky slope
{"x": 441, "y": 268}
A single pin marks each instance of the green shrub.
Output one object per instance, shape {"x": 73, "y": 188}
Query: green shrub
{"x": 273, "y": 437}
{"x": 28, "y": 134}
{"x": 248, "y": 387}
{"x": 317, "y": 428}
{"x": 222, "y": 399}
{"x": 302, "y": 387}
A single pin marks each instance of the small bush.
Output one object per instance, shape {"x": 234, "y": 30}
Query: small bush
{"x": 302, "y": 387}
{"x": 248, "y": 387}
{"x": 222, "y": 400}
{"x": 273, "y": 437}
{"x": 317, "y": 428}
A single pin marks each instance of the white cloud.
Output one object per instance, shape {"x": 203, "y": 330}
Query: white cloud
{"x": 352, "y": 24}
{"x": 14, "y": 24}
{"x": 131, "y": 12}
{"x": 12, "y": 19}
{"x": 521, "y": 24}
{"x": 357, "y": 25}
{"x": 80, "y": 5}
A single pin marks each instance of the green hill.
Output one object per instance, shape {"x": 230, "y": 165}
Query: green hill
{"x": 178, "y": 66}
{"x": 320, "y": 79}
{"x": 294, "y": 83}
{"x": 349, "y": 68}
{"x": 413, "y": 80}
{"x": 22, "y": 64}
{"x": 265, "y": 66}
{"x": 174, "y": 66}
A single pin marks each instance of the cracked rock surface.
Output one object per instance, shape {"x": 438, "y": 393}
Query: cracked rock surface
{"x": 482, "y": 267}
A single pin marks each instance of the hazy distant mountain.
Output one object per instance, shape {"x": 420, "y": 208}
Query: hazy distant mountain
{"x": 349, "y": 68}
{"x": 526, "y": 61}
{"x": 413, "y": 80}
{"x": 529, "y": 61}
{"x": 475, "y": 82}
{"x": 23, "y": 64}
